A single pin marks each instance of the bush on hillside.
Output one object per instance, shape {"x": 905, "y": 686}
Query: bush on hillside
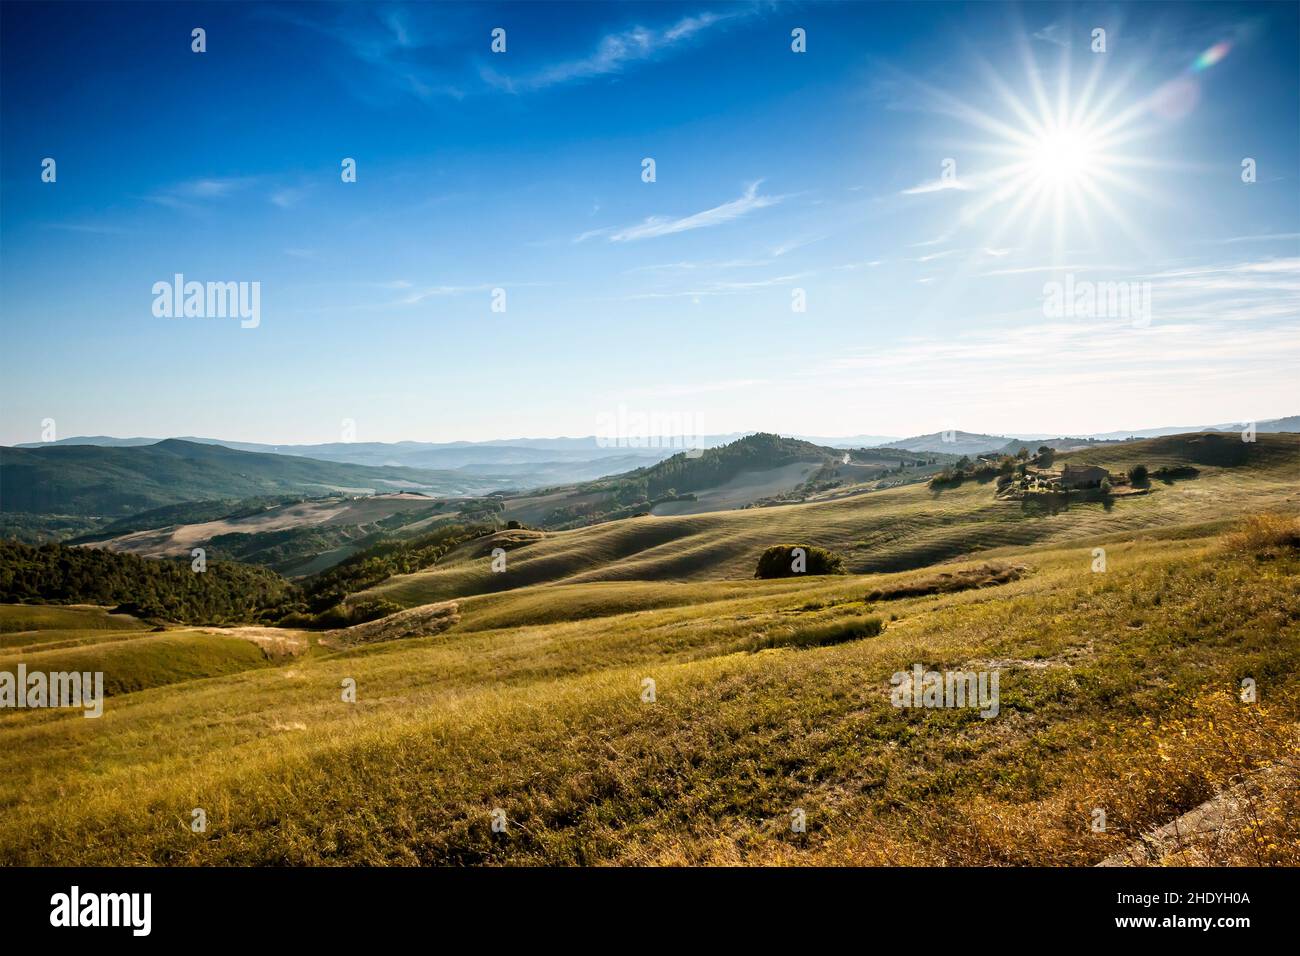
{"x": 780, "y": 561}
{"x": 946, "y": 479}
{"x": 343, "y": 615}
{"x": 824, "y": 634}
{"x": 1138, "y": 476}
{"x": 1265, "y": 535}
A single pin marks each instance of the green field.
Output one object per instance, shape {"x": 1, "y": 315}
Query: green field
{"x": 1119, "y": 690}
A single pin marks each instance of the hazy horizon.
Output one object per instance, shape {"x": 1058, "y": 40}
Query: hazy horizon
{"x": 499, "y": 439}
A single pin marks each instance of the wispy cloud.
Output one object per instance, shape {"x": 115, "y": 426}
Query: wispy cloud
{"x": 288, "y": 196}
{"x": 1053, "y": 33}
{"x": 405, "y": 49}
{"x": 1266, "y": 237}
{"x": 195, "y": 193}
{"x": 718, "y": 264}
{"x": 615, "y": 52}
{"x": 931, "y": 256}
{"x": 936, "y": 241}
{"x": 89, "y": 228}
{"x": 656, "y": 226}
{"x": 936, "y": 185}
{"x": 724, "y": 288}
{"x": 422, "y": 293}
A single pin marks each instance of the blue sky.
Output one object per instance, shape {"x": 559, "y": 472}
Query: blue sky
{"x": 776, "y": 171}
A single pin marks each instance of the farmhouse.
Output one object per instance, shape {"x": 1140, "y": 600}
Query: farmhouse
{"x": 1083, "y": 476}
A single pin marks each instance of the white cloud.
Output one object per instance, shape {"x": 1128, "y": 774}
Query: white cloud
{"x": 194, "y": 193}
{"x": 936, "y": 185}
{"x": 615, "y": 52}
{"x": 724, "y": 288}
{"x": 1054, "y": 34}
{"x": 656, "y": 226}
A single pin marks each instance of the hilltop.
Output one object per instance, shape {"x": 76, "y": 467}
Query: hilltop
{"x": 99, "y": 480}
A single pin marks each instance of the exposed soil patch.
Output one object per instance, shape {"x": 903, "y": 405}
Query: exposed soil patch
{"x": 274, "y": 642}
{"x": 423, "y": 621}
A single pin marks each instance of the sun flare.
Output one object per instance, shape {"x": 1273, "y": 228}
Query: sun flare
{"x": 1056, "y": 158}
{"x": 1063, "y": 157}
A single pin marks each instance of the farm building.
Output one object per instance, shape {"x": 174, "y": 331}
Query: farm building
{"x": 1083, "y": 476}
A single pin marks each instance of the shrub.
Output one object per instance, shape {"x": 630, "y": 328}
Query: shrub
{"x": 364, "y": 611}
{"x": 1264, "y": 535}
{"x": 778, "y": 561}
{"x": 946, "y": 478}
{"x": 1137, "y": 476}
{"x": 332, "y": 617}
{"x": 822, "y": 635}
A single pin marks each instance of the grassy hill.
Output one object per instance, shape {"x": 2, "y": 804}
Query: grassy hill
{"x": 118, "y": 481}
{"x": 758, "y": 469}
{"x": 1117, "y": 690}
{"x": 892, "y": 529}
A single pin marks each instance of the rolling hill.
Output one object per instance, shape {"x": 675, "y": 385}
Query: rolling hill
{"x": 629, "y": 693}
{"x": 116, "y": 481}
{"x": 652, "y": 722}
{"x": 888, "y": 530}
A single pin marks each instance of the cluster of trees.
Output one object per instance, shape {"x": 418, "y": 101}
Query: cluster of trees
{"x": 225, "y": 592}
{"x": 792, "y": 560}
{"x": 156, "y": 590}
{"x": 342, "y": 615}
{"x": 983, "y": 471}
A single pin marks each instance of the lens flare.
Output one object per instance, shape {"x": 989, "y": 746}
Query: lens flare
{"x": 1211, "y": 56}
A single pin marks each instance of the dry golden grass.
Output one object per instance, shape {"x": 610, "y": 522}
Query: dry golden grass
{"x": 1265, "y": 535}
{"x": 1101, "y": 678}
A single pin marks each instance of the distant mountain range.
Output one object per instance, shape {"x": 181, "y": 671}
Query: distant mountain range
{"x": 482, "y": 457}
{"x": 119, "y": 480}
{"x": 107, "y": 477}
{"x": 973, "y": 443}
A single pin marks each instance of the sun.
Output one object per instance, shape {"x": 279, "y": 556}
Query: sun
{"x": 1063, "y": 158}
{"x": 1054, "y": 162}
